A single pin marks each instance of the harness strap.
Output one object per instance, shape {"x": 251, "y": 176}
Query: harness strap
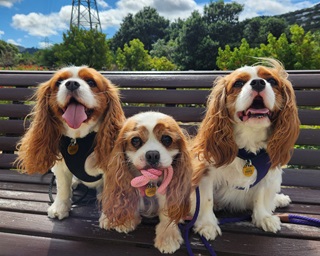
{"x": 260, "y": 161}
{"x": 77, "y": 159}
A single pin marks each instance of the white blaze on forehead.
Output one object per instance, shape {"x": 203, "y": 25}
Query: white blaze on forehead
{"x": 246, "y": 95}
{"x": 74, "y": 70}
{"x": 84, "y": 93}
{"x": 149, "y": 119}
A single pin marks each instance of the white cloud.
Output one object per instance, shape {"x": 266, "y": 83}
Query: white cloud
{"x": 102, "y": 4}
{"x": 1, "y": 33}
{"x": 8, "y": 3}
{"x": 43, "y": 45}
{"x": 269, "y": 7}
{"x": 38, "y": 24}
{"x": 11, "y": 41}
{"x": 170, "y": 9}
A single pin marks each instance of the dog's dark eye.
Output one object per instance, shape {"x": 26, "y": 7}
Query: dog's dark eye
{"x": 91, "y": 83}
{"x": 166, "y": 140}
{"x": 136, "y": 142}
{"x": 59, "y": 81}
{"x": 238, "y": 84}
{"x": 272, "y": 81}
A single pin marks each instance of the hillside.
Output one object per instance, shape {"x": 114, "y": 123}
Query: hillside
{"x": 308, "y": 18}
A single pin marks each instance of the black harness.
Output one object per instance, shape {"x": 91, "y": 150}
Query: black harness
{"x": 75, "y": 153}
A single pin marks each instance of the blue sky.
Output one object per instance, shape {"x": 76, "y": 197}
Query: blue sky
{"x": 34, "y": 23}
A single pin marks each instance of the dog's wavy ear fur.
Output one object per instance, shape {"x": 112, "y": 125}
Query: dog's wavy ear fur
{"x": 286, "y": 129}
{"x": 179, "y": 189}
{"x": 113, "y": 119}
{"x": 120, "y": 201}
{"x": 39, "y": 147}
{"x": 214, "y": 141}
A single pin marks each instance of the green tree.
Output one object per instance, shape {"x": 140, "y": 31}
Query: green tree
{"x": 83, "y": 47}
{"x": 195, "y": 48}
{"x": 133, "y": 57}
{"x": 47, "y": 57}
{"x": 147, "y": 25}
{"x": 300, "y": 51}
{"x": 162, "y": 64}
{"x": 9, "y": 54}
{"x": 161, "y": 48}
{"x": 256, "y": 30}
{"x": 201, "y": 36}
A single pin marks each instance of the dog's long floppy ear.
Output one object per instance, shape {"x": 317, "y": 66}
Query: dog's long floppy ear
{"x": 39, "y": 147}
{"x": 119, "y": 200}
{"x": 215, "y": 141}
{"x": 286, "y": 128}
{"x": 113, "y": 119}
{"x": 179, "y": 189}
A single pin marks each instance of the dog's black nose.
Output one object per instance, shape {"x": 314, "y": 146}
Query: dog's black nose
{"x": 258, "y": 85}
{"x": 72, "y": 85}
{"x": 153, "y": 157}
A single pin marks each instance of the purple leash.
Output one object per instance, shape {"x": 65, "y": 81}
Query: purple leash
{"x": 299, "y": 219}
{"x": 185, "y": 229}
{"x": 286, "y": 218}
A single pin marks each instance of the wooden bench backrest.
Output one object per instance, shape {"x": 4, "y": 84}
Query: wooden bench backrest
{"x": 182, "y": 95}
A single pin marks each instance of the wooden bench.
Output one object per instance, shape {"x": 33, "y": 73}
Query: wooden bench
{"x": 25, "y": 228}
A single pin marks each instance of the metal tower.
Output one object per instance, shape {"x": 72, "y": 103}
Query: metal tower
{"x": 85, "y": 15}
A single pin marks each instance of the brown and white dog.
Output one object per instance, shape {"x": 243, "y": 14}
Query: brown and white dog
{"x": 75, "y": 121}
{"x": 251, "y": 116}
{"x": 149, "y": 174}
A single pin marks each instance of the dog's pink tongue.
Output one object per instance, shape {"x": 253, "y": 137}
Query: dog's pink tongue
{"x": 75, "y": 115}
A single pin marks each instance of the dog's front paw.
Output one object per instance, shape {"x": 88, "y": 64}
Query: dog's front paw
{"x": 269, "y": 223}
{"x": 168, "y": 239}
{"x": 209, "y": 230}
{"x": 126, "y": 227}
{"x": 104, "y": 222}
{"x": 282, "y": 200}
{"x": 59, "y": 209}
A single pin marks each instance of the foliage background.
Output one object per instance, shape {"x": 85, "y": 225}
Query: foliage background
{"x": 211, "y": 40}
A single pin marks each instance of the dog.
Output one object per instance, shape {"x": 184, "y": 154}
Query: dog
{"x": 247, "y": 134}
{"x": 74, "y": 124}
{"x": 149, "y": 174}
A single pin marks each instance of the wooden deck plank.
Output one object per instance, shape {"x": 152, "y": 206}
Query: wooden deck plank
{"x": 36, "y": 245}
{"x": 78, "y": 229}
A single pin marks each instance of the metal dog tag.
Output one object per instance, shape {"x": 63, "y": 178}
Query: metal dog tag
{"x": 150, "y": 190}
{"x": 248, "y": 169}
{"x": 73, "y": 147}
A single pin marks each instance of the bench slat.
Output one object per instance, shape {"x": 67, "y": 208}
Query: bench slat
{"x": 307, "y": 98}
{"x": 183, "y": 114}
{"x": 309, "y": 117}
{"x": 15, "y": 110}
{"x": 165, "y": 96}
{"x": 6, "y": 160}
{"x": 16, "y": 94}
{"x": 305, "y": 157}
{"x": 175, "y": 79}
{"x": 309, "y": 137}
{"x": 13, "y": 126}
{"x": 301, "y": 178}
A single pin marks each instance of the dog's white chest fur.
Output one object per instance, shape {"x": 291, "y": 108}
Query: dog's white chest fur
{"x": 228, "y": 180}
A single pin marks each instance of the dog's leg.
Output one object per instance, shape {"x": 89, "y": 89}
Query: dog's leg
{"x": 62, "y": 203}
{"x": 168, "y": 237}
{"x": 126, "y": 227}
{"x": 264, "y": 204}
{"x": 207, "y": 223}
